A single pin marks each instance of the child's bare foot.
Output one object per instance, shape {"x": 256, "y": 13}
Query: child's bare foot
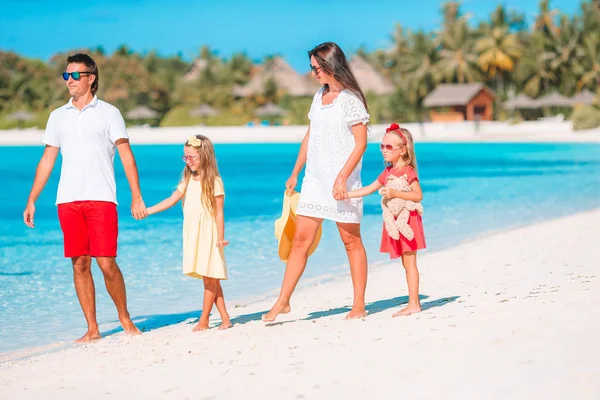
{"x": 89, "y": 337}
{"x": 356, "y": 313}
{"x": 275, "y": 311}
{"x": 226, "y": 324}
{"x": 408, "y": 310}
{"x": 201, "y": 326}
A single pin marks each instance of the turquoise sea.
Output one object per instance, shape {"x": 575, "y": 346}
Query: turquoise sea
{"x": 469, "y": 190}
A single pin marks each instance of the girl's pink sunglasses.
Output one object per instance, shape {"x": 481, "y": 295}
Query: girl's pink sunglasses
{"x": 388, "y": 147}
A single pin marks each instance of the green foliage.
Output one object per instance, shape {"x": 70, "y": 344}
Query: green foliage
{"x": 560, "y": 53}
{"x": 586, "y": 117}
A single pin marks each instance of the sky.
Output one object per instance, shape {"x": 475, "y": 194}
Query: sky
{"x": 41, "y": 28}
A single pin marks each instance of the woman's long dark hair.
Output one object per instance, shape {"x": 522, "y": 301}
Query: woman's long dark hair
{"x": 333, "y": 61}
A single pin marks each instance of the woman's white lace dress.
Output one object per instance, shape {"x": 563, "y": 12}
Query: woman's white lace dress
{"x": 329, "y": 146}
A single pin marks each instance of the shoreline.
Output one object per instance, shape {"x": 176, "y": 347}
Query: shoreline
{"x": 493, "y": 132}
{"x": 270, "y": 294}
{"x": 497, "y": 301}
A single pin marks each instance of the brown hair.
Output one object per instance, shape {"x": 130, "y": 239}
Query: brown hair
{"x": 81, "y": 58}
{"x": 333, "y": 61}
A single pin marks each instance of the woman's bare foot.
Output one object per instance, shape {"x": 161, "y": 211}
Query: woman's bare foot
{"x": 356, "y": 313}
{"x": 201, "y": 326}
{"x": 89, "y": 337}
{"x": 129, "y": 327}
{"x": 275, "y": 311}
{"x": 408, "y": 310}
{"x": 226, "y": 324}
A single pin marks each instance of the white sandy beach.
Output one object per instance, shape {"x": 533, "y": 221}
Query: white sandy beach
{"x": 511, "y": 315}
{"x": 531, "y": 131}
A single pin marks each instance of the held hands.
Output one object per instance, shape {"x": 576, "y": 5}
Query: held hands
{"x": 222, "y": 243}
{"x": 339, "y": 191}
{"x": 28, "y": 215}
{"x": 138, "y": 209}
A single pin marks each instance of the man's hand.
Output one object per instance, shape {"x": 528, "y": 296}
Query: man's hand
{"x": 28, "y": 215}
{"x": 138, "y": 209}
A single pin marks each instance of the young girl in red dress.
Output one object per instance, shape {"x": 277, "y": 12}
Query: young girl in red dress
{"x": 398, "y": 149}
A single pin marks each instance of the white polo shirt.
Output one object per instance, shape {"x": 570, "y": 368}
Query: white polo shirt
{"x": 87, "y": 143}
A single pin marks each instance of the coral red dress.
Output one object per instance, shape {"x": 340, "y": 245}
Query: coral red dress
{"x": 395, "y": 247}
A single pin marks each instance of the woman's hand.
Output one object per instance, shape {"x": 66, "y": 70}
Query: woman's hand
{"x": 222, "y": 243}
{"x": 339, "y": 191}
{"x": 388, "y": 193}
{"x": 291, "y": 183}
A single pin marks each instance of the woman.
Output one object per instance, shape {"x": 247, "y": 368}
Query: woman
{"x": 332, "y": 151}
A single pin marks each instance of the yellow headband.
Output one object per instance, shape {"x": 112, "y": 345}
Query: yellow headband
{"x": 194, "y": 141}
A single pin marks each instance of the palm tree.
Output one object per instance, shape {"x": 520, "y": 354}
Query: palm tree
{"x": 533, "y": 73}
{"x": 420, "y": 68}
{"x": 236, "y": 70}
{"x": 458, "y": 60}
{"x": 544, "y": 21}
{"x": 563, "y": 53}
{"x": 399, "y": 51}
{"x": 498, "y": 51}
{"x": 591, "y": 77}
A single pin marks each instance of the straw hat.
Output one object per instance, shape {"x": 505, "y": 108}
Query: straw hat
{"x": 285, "y": 227}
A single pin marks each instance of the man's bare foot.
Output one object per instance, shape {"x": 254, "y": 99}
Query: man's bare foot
{"x": 201, "y": 326}
{"x": 129, "y": 327}
{"x": 406, "y": 311}
{"x": 89, "y": 337}
{"x": 356, "y": 313}
{"x": 226, "y": 324}
{"x": 275, "y": 311}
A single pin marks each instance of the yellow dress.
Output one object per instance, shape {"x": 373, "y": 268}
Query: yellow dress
{"x": 201, "y": 256}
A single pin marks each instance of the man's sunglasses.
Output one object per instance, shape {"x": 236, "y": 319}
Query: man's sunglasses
{"x": 76, "y": 75}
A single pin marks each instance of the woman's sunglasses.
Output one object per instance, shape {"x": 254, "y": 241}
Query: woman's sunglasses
{"x": 388, "y": 147}
{"x": 76, "y": 75}
{"x": 315, "y": 70}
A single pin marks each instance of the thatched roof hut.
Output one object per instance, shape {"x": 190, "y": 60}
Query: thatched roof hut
{"x": 584, "y": 97}
{"x": 554, "y": 99}
{"x": 284, "y": 76}
{"x": 454, "y": 94}
{"x": 141, "y": 112}
{"x": 467, "y": 101}
{"x": 20, "y": 116}
{"x": 521, "y": 101}
{"x": 269, "y": 110}
{"x": 203, "y": 110}
{"x": 369, "y": 79}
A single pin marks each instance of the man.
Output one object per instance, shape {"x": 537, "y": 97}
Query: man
{"x": 87, "y": 131}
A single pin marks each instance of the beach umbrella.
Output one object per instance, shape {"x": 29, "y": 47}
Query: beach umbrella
{"x": 270, "y": 110}
{"x": 521, "y": 101}
{"x": 554, "y": 99}
{"x": 204, "y": 110}
{"x": 20, "y": 116}
{"x": 141, "y": 112}
{"x": 584, "y": 97}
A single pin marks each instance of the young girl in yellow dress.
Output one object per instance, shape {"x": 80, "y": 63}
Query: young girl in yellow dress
{"x": 201, "y": 189}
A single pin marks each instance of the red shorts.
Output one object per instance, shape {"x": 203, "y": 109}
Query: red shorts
{"x": 89, "y": 228}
